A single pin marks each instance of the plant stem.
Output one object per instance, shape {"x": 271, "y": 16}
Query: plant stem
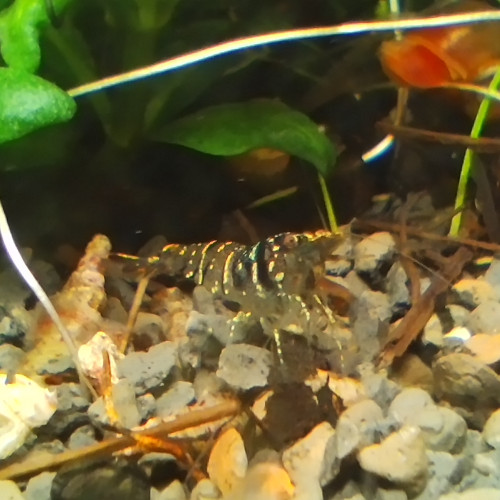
{"x": 468, "y": 162}
{"x": 332, "y": 221}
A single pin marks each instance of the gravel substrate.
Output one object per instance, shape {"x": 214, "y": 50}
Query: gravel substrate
{"x": 324, "y": 419}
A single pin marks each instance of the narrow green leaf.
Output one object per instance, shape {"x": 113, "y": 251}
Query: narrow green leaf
{"x": 28, "y": 102}
{"x": 232, "y": 129}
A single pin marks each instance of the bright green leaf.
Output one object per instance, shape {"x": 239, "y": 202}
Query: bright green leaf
{"x": 28, "y": 102}
{"x": 232, "y": 129}
{"x": 20, "y": 26}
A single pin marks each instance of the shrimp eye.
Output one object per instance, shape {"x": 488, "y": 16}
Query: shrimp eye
{"x": 291, "y": 241}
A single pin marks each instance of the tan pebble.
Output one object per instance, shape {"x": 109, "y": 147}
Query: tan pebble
{"x": 484, "y": 347}
{"x": 228, "y": 462}
{"x": 400, "y": 458}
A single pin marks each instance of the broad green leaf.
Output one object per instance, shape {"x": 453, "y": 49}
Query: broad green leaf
{"x": 20, "y": 26}
{"x": 232, "y": 129}
{"x": 28, "y": 102}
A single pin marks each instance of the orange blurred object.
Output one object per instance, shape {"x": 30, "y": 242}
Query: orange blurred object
{"x": 430, "y": 58}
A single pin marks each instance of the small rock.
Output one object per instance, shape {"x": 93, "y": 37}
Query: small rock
{"x": 474, "y": 443}
{"x": 174, "y": 491}
{"x": 383, "y": 494}
{"x": 244, "y": 366}
{"x": 115, "y": 480}
{"x": 15, "y": 324}
{"x": 449, "y": 432}
{"x": 445, "y": 471}
{"x": 264, "y": 481}
{"x": 227, "y": 465}
{"x": 492, "y": 275}
{"x": 472, "y": 292}
{"x": 148, "y": 330}
{"x": 484, "y": 347}
{"x": 488, "y": 463}
{"x": 154, "y": 461}
{"x": 203, "y": 300}
{"x": 146, "y": 404}
{"x": 175, "y": 400}
{"x": 396, "y": 287}
{"x": 205, "y": 490}
{"x": 337, "y": 267}
{"x": 10, "y": 491}
{"x": 411, "y": 371}
{"x": 357, "y": 427}
{"x": 355, "y": 284}
{"x": 147, "y": 370}
{"x": 124, "y": 404}
{"x": 433, "y": 332}
{"x": 469, "y": 385}
{"x": 309, "y": 459}
{"x": 399, "y": 458}
{"x": 81, "y": 437}
{"x": 373, "y": 251}
{"x": 485, "y": 318}
{"x": 409, "y": 402}
{"x": 372, "y": 314}
{"x": 38, "y": 487}
{"x": 491, "y": 430}
{"x": 475, "y": 494}
{"x": 10, "y": 358}
{"x": 376, "y": 384}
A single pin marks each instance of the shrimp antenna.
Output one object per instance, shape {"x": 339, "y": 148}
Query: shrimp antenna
{"x": 17, "y": 260}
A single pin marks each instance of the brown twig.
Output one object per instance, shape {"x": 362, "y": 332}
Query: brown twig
{"x": 406, "y": 261}
{"x": 36, "y": 465}
{"x": 393, "y": 227}
{"x": 417, "y": 317}
{"x": 134, "y": 310}
{"x": 481, "y": 144}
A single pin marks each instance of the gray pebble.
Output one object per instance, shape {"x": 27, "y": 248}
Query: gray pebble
{"x": 377, "y": 386}
{"x": 475, "y": 494}
{"x": 146, "y": 404}
{"x": 203, "y": 300}
{"x": 124, "y": 403}
{"x": 472, "y": 292}
{"x": 355, "y": 284}
{"x": 81, "y": 437}
{"x": 492, "y": 275}
{"x": 205, "y": 490}
{"x": 10, "y": 491}
{"x": 372, "y": 314}
{"x": 357, "y": 427}
{"x": 337, "y": 267}
{"x": 400, "y": 458}
{"x": 174, "y": 491}
{"x": 10, "y": 358}
{"x": 176, "y": 399}
{"x": 147, "y": 370}
{"x": 485, "y": 318}
{"x": 396, "y": 287}
{"x": 467, "y": 384}
{"x": 445, "y": 470}
{"x": 409, "y": 402}
{"x": 384, "y": 494}
{"x": 433, "y": 332}
{"x": 244, "y": 366}
{"x": 71, "y": 410}
{"x": 38, "y": 487}
{"x": 491, "y": 430}
{"x": 488, "y": 463}
{"x": 15, "y": 324}
{"x": 373, "y": 251}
